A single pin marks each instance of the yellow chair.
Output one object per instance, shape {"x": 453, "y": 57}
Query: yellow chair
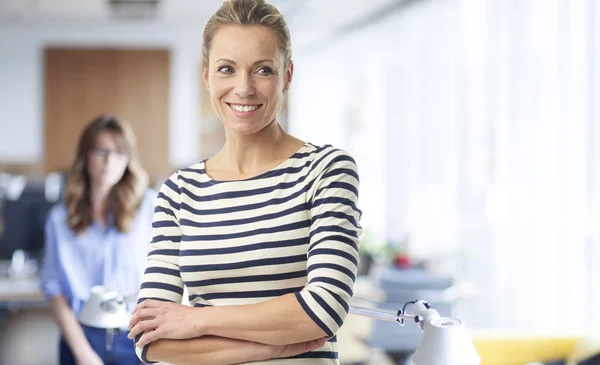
{"x": 520, "y": 350}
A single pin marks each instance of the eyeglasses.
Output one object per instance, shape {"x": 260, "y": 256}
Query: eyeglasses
{"x": 104, "y": 153}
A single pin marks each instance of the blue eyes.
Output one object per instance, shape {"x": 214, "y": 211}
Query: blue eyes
{"x": 261, "y": 71}
{"x": 225, "y": 69}
{"x": 265, "y": 71}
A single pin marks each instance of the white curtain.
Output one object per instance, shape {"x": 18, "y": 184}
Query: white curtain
{"x": 528, "y": 68}
{"x": 503, "y": 125}
{"x": 487, "y": 115}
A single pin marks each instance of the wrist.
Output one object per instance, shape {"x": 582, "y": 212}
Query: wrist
{"x": 266, "y": 352}
{"x": 82, "y": 352}
{"x": 204, "y": 321}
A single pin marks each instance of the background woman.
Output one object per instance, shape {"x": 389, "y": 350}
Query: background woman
{"x": 98, "y": 236}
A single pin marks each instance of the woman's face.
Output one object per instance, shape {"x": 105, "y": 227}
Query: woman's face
{"x": 106, "y": 162}
{"x": 246, "y": 77}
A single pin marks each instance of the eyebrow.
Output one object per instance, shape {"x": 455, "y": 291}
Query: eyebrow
{"x": 233, "y": 62}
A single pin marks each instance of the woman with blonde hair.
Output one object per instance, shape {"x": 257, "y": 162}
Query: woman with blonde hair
{"x": 264, "y": 234}
{"x": 98, "y": 236}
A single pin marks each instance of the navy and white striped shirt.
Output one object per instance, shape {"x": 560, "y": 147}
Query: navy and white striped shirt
{"x": 293, "y": 229}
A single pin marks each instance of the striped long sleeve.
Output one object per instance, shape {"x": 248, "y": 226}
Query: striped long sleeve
{"x": 161, "y": 280}
{"x": 293, "y": 229}
{"x": 333, "y": 252}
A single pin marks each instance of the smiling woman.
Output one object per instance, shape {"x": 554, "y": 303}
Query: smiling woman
{"x": 264, "y": 234}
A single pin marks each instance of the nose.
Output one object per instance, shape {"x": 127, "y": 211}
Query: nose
{"x": 111, "y": 158}
{"x": 244, "y": 86}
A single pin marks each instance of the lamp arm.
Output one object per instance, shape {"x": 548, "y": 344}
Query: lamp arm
{"x": 422, "y": 310}
{"x": 383, "y": 314}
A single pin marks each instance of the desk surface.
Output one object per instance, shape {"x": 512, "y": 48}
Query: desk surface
{"x": 14, "y": 290}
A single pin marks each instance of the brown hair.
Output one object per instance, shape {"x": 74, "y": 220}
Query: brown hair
{"x": 125, "y": 197}
{"x": 248, "y": 13}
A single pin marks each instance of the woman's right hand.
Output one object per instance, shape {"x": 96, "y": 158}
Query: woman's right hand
{"x": 88, "y": 357}
{"x": 298, "y": 348}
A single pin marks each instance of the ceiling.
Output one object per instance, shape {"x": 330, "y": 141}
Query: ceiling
{"x": 309, "y": 20}
{"x": 99, "y": 10}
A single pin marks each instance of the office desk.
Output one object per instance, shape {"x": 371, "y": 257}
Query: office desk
{"x": 22, "y": 292}
{"x": 25, "y": 319}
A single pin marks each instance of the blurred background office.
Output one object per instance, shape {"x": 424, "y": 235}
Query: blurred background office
{"x": 475, "y": 125}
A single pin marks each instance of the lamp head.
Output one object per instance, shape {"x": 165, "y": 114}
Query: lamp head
{"x": 104, "y": 309}
{"x": 445, "y": 341}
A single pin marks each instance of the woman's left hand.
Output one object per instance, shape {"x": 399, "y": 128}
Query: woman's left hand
{"x": 157, "y": 319}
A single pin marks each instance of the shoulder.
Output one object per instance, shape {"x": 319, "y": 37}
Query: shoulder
{"x": 179, "y": 183}
{"x": 149, "y": 196}
{"x": 328, "y": 157}
{"x": 149, "y": 199}
{"x": 58, "y": 213}
{"x": 183, "y": 176}
{"x": 57, "y": 219}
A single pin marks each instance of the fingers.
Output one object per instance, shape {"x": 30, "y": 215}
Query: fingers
{"x": 315, "y": 344}
{"x": 148, "y": 337}
{"x": 142, "y": 314}
{"x": 302, "y": 347}
{"x": 144, "y": 326}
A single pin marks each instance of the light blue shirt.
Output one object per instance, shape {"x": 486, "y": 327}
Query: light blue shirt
{"x": 102, "y": 255}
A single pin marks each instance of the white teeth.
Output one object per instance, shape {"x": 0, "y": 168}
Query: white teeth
{"x": 244, "y": 108}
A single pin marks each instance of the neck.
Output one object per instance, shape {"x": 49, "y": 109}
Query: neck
{"x": 245, "y": 154}
{"x": 99, "y": 199}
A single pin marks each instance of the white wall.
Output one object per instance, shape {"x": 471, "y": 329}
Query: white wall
{"x": 20, "y": 98}
{"x": 21, "y": 81}
{"x": 403, "y": 74}
{"x": 337, "y": 97}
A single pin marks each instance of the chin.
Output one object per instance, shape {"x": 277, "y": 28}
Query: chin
{"x": 245, "y": 131}
{"x": 245, "y": 128}
{"x": 107, "y": 181}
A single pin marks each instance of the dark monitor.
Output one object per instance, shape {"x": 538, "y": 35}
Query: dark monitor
{"x": 23, "y": 221}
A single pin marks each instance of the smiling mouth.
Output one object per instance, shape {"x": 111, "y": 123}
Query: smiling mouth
{"x": 244, "y": 108}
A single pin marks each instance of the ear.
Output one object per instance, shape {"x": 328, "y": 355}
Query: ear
{"x": 205, "y": 76}
{"x": 289, "y": 74}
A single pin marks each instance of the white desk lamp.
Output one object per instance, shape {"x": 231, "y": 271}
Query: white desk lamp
{"x": 104, "y": 309}
{"x": 445, "y": 340}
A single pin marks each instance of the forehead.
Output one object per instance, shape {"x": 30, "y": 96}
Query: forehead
{"x": 110, "y": 140}
{"x": 244, "y": 43}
